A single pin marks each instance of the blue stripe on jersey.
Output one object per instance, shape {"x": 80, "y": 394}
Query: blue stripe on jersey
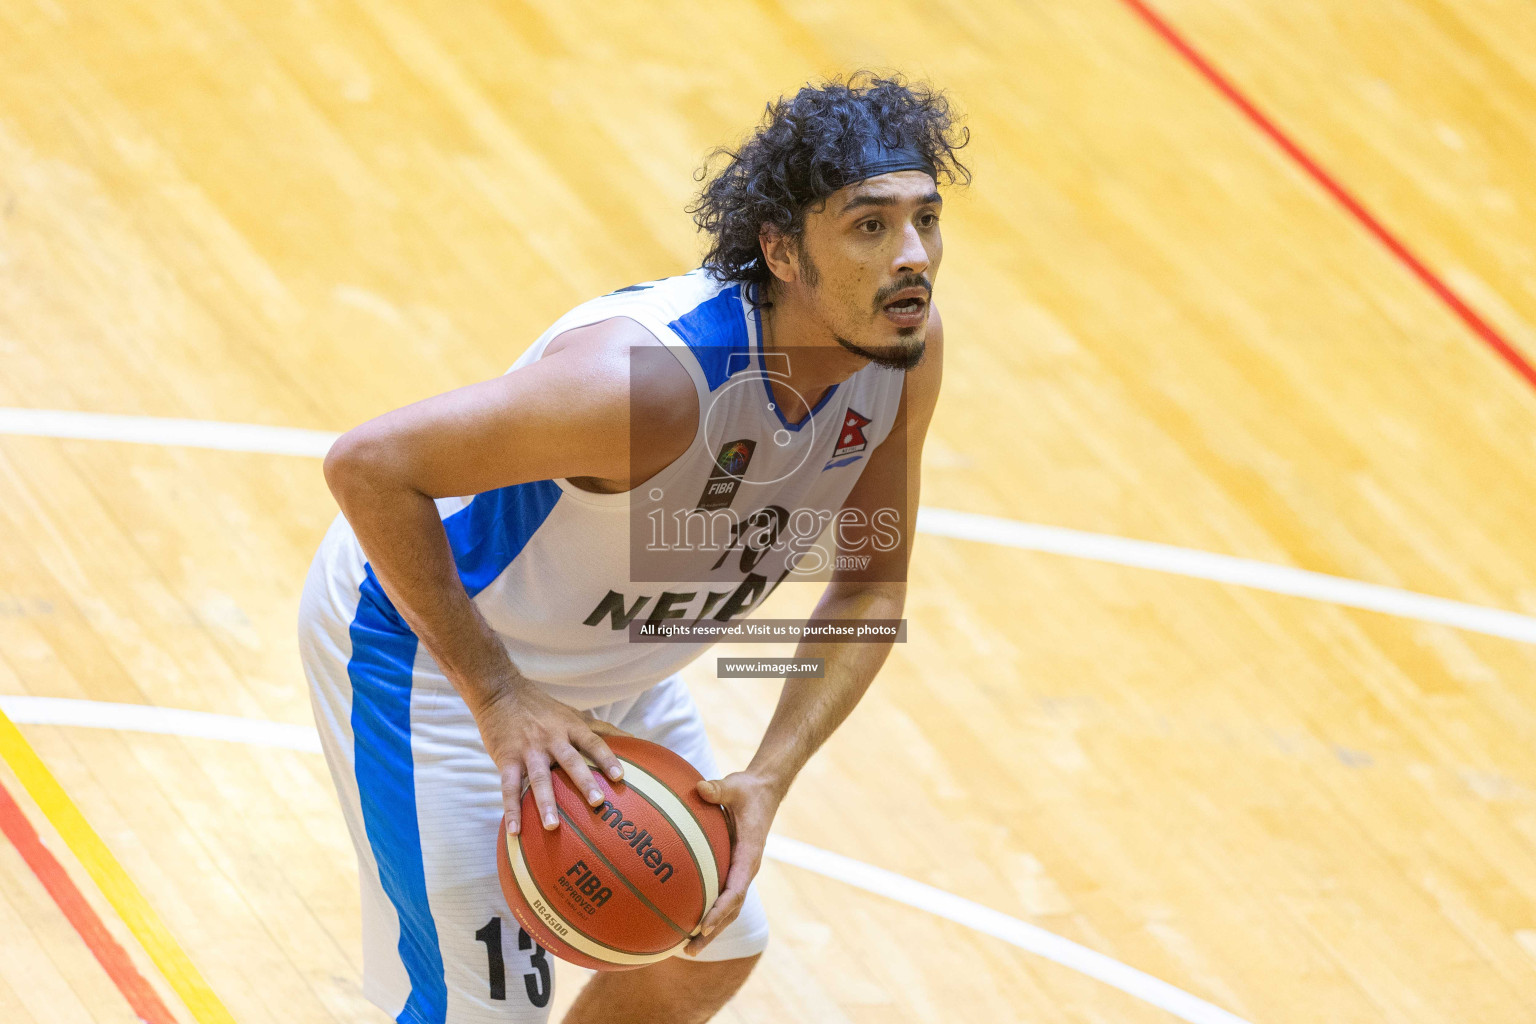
{"x": 383, "y": 652}
{"x": 491, "y": 530}
{"x": 715, "y": 331}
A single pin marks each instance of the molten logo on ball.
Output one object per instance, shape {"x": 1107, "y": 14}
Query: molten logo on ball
{"x": 638, "y": 840}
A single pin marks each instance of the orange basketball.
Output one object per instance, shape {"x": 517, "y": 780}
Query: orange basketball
{"x": 625, "y": 884}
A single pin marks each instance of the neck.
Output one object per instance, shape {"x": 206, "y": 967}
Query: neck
{"x": 815, "y": 360}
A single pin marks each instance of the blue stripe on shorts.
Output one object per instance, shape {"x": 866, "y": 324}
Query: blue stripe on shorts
{"x": 383, "y": 653}
{"x": 485, "y": 536}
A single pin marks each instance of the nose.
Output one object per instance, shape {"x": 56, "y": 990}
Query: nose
{"x": 913, "y": 255}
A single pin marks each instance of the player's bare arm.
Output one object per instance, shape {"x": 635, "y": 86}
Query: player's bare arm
{"x": 809, "y": 710}
{"x": 566, "y": 415}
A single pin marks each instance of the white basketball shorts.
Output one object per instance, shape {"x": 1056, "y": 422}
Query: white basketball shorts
{"x": 422, "y": 801}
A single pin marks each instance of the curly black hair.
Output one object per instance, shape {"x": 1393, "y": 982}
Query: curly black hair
{"x": 796, "y": 158}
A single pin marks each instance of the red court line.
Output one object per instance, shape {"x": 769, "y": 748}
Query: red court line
{"x": 1435, "y": 283}
{"x": 142, "y": 999}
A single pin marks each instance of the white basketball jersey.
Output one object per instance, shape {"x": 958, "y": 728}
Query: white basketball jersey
{"x": 553, "y": 568}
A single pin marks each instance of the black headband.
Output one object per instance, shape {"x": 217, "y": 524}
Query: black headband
{"x": 878, "y": 158}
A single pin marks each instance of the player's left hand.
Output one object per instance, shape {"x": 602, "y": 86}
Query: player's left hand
{"x": 752, "y": 802}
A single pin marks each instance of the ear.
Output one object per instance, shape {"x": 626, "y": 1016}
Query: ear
{"x": 779, "y": 253}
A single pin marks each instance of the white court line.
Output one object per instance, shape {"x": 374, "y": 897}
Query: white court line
{"x": 95, "y": 714}
{"x": 202, "y": 725}
{"x": 1243, "y": 572}
{"x": 1096, "y": 547}
{"x": 228, "y": 437}
{"x": 1000, "y": 926}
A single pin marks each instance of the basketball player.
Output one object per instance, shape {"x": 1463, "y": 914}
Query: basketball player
{"x": 459, "y": 647}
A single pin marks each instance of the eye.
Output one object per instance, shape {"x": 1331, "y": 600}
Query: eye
{"x": 928, "y": 220}
{"x": 869, "y": 227}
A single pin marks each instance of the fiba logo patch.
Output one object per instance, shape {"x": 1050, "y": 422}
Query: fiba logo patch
{"x": 851, "y": 439}
{"x": 733, "y": 458}
{"x": 730, "y": 466}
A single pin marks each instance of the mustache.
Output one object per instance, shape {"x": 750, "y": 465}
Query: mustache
{"x": 901, "y": 284}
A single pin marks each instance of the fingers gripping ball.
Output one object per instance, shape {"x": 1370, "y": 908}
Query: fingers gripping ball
{"x": 625, "y": 884}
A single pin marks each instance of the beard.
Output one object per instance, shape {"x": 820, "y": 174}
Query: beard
{"x": 892, "y": 357}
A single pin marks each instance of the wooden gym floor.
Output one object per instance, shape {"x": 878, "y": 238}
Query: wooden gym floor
{"x": 1163, "y": 326}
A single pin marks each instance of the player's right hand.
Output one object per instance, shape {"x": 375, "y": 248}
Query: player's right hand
{"x": 528, "y": 733}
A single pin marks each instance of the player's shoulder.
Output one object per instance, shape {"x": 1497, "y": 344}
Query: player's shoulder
{"x": 627, "y": 355}
{"x": 696, "y": 298}
{"x": 700, "y": 318}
